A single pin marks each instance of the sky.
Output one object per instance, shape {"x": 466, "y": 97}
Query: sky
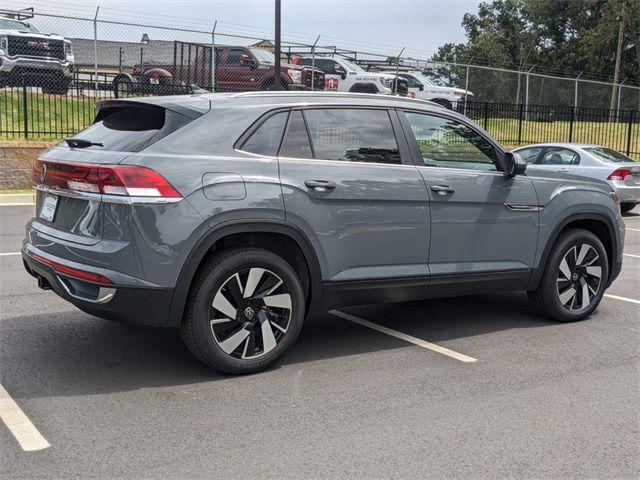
{"x": 376, "y": 26}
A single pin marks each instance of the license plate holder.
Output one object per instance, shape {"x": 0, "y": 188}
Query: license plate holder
{"x": 49, "y": 206}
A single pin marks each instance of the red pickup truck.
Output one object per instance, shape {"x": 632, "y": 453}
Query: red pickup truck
{"x": 237, "y": 69}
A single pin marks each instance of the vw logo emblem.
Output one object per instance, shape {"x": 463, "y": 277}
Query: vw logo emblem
{"x": 249, "y": 313}
{"x": 43, "y": 172}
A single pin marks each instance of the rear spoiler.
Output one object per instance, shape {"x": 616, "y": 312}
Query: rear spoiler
{"x": 191, "y": 109}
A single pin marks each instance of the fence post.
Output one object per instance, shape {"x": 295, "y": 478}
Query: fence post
{"x": 313, "y": 63}
{"x": 571, "y": 120}
{"x": 213, "y": 57}
{"x": 25, "y": 110}
{"x": 95, "y": 47}
{"x": 486, "y": 115}
{"x": 466, "y": 88}
{"x": 575, "y": 90}
{"x": 619, "y": 95}
{"x": 520, "y": 118}
{"x": 632, "y": 114}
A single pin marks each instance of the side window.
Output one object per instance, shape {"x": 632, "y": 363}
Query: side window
{"x": 296, "y": 142}
{"x": 530, "y": 155}
{"x": 266, "y": 139}
{"x": 447, "y": 143}
{"x": 327, "y": 66}
{"x": 560, "y": 156}
{"x": 234, "y": 56}
{"x": 352, "y": 135}
{"x": 412, "y": 82}
{"x": 219, "y": 53}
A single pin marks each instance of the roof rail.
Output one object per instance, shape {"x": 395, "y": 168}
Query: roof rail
{"x": 321, "y": 93}
{"x": 22, "y": 14}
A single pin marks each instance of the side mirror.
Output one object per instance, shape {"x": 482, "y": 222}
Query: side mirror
{"x": 421, "y": 87}
{"x": 513, "y": 164}
{"x": 247, "y": 61}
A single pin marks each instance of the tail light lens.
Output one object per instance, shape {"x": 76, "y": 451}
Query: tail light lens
{"x": 125, "y": 180}
{"x": 619, "y": 174}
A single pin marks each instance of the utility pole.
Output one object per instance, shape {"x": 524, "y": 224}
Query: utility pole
{"x": 616, "y": 72}
{"x": 278, "y": 84}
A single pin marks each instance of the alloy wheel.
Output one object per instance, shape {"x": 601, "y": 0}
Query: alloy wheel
{"x": 250, "y": 313}
{"x": 579, "y": 277}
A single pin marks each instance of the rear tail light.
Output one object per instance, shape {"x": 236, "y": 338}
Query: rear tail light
{"x": 70, "y": 271}
{"x": 125, "y": 180}
{"x": 620, "y": 174}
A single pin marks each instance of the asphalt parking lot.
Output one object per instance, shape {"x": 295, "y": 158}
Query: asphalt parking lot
{"x": 473, "y": 388}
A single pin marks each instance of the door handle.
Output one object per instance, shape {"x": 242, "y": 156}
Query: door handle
{"x": 563, "y": 170}
{"x": 443, "y": 189}
{"x": 320, "y": 185}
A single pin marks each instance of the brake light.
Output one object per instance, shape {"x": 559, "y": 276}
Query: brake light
{"x": 125, "y": 180}
{"x": 619, "y": 174}
{"x": 70, "y": 271}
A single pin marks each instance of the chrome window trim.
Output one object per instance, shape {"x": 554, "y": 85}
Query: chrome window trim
{"x": 100, "y": 197}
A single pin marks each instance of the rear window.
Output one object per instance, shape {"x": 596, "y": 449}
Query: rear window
{"x": 131, "y": 128}
{"x": 608, "y": 155}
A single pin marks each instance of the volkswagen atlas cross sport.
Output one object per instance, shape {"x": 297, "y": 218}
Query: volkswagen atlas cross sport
{"x": 233, "y": 216}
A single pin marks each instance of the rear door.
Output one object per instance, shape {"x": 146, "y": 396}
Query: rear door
{"x": 484, "y": 226}
{"x": 558, "y": 159}
{"x": 349, "y": 185}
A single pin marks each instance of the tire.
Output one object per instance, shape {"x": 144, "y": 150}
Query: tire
{"x": 363, "y": 88}
{"x": 627, "y": 207}
{"x": 561, "y": 293}
{"x": 57, "y": 88}
{"x": 261, "y": 331}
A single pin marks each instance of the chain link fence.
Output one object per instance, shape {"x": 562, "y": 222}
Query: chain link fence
{"x": 49, "y": 83}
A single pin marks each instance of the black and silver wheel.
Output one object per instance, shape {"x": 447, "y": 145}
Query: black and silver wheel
{"x": 574, "y": 278}
{"x": 246, "y": 309}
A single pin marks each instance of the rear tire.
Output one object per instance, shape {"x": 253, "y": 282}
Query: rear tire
{"x": 574, "y": 279}
{"x": 245, "y": 309}
{"x": 445, "y": 103}
{"x": 627, "y": 207}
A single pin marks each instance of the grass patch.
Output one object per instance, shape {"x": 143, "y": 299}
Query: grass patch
{"x": 48, "y": 117}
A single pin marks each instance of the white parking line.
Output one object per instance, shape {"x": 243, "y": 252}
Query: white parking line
{"x": 17, "y": 422}
{"x": 16, "y": 204}
{"x": 631, "y": 255}
{"x": 403, "y": 336}
{"x": 624, "y": 299}
{"x": 633, "y": 229}
{"x": 9, "y": 253}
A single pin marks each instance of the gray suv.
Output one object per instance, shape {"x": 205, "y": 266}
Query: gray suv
{"x": 234, "y": 216}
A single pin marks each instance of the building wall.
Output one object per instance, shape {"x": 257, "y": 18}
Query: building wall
{"x": 16, "y": 162}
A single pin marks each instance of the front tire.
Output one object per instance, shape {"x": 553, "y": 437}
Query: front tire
{"x": 627, "y": 207}
{"x": 246, "y": 308}
{"x": 574, "y": 278}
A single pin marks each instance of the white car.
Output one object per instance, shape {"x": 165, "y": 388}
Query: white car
{"x": 595, "y": 161}
{"x": 423, "y": 88}
{"x": 341, "y": 75}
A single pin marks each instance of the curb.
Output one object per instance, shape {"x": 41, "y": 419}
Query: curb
{"x": 17, "y": 198}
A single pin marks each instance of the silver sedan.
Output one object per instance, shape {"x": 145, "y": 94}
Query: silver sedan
{"x": 595, "y": 161}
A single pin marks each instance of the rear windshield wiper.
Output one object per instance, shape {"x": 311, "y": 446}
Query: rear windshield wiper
{"x": 79, "y": 143}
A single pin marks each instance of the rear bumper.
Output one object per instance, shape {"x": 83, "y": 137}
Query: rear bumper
{"x": 627, "y": 194}
{"x": 139, "y": 305}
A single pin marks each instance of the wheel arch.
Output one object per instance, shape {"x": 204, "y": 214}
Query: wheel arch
{"x": 597, "y": 223}
{"x": 241, "y": 229}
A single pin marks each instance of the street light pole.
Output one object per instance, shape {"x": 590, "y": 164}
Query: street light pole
{"x": 278, "y": 84}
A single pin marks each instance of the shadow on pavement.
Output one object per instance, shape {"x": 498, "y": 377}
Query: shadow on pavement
{"x": 75, "y": 354}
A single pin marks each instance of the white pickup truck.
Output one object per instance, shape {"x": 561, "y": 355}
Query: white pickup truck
{"x": 33, "y": 58}
{"x": 341, "y": 75}
{"x": 423, "y": 88}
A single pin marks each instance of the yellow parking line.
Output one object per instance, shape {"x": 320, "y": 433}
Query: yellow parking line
{"x": 403, "y": 336}
{"x": 19, "y": 424}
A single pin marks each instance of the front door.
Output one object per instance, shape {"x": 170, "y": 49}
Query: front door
{"x": 349, "y": 184}
{"x": 484, "y": 226}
